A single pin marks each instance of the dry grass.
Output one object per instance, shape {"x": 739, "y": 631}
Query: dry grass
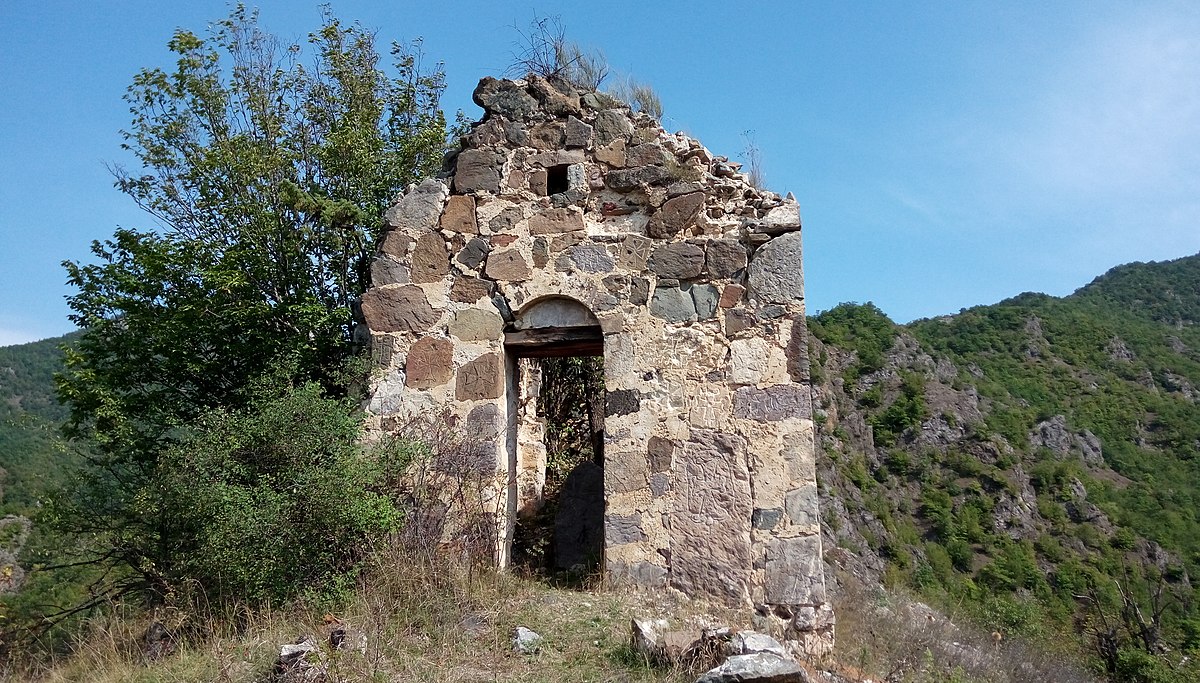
{"x": 423, "y": 620}
{"x": 890, "y": 638}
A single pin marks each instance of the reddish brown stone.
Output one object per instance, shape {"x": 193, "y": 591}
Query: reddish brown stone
{"x": 503, "y": 240}
{"x": 613, "y": 155}
{"x": 430, "y": 259}
{"x": 537, "y": 182}
{"x": 508, "y": 265}
{"x": 396, "y": 244}
{"x": 398, "y": 309}
{"x": 676, "y": 215}
{"x": 459, "y": 215}
{"x": 468, "y": 290}
{"x": 429, "y": 363}
{"x": 480, "y": 379}
{"x": 555, "y": 220}
{"x": 731, "y": 295}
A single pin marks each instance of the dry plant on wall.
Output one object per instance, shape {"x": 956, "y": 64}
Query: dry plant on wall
{"x": 752, "y": 154}
{"x": 543, "y": 49}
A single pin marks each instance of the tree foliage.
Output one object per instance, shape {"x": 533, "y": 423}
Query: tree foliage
{"x": 268, "y": 171}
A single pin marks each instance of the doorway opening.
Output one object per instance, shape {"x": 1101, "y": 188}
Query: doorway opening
{"x": 556, "y": 441}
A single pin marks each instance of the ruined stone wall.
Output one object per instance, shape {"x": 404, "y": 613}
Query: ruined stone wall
{"x": 694, "y": 277}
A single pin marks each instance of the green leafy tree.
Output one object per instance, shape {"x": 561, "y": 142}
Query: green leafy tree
{"x": 268, "y": 170}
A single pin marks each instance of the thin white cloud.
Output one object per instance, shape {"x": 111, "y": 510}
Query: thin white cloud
{"x": 11, "y": 337}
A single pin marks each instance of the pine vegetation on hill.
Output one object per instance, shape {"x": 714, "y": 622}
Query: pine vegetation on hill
{"x": 1037, "y": 460}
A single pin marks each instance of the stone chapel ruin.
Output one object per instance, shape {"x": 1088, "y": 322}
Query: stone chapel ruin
{"x": 568, "y": 225}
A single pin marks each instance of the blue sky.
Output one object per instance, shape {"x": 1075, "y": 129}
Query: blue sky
{"x": 945, "y": 154}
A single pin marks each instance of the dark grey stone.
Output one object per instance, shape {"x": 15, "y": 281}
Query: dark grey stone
{"x": 797, "y": 351}
{"x": 478, "y": 171}
{"x": 705, "y": 298}
{"x": 622, "y": 402}
{"x": 771, "y": 312}
{"x": 760, "y": 667}
{"x": 660, "y": 451}
{"x": 724, "y": 258}
{"x": 766, "y": 518}
{"x": 801, "y": 505}
{"x": 504, "y": 97}
{"x": 793, "y": 571}
{"x": 678, "y": 260}
{"x": 610, "y": 125}
{"x": 591, "y": 258}
{"x": 660, "y": 484}
{"x": 627, "y": 179}
{"x": 625, "y": 472}
{"x": 639, "y": 291}
{"x": 673, "y": 305}
{"x": 775, "y": 272}
{"x": 578, "y": 133}
{"x": 736, "y": 320}
{"x": 541, "y": 252}
{"x": 475, "y": 252}
{"x": 622, "y": 529}
{"x": 386, "y": 270}
{"x": 772, "y": 403}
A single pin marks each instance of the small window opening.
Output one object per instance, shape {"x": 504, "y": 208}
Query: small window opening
{"x": 556, "y": 179}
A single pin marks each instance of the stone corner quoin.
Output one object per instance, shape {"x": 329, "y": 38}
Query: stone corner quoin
{"x": 693, "y": 277}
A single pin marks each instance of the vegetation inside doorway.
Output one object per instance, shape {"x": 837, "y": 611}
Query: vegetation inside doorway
{"x": 564, "y": 539}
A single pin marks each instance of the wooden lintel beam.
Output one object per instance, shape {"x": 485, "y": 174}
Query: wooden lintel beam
{"x": 553, "y": 342}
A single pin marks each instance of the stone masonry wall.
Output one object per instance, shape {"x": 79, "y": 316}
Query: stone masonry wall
{"x": 695, "y": 279}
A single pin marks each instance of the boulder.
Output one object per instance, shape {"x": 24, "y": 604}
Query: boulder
{"x": 760, "y": 667}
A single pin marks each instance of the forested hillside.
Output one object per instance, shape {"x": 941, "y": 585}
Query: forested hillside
{"x": 1036, "y": 460}
{"x": 32, "y": 453}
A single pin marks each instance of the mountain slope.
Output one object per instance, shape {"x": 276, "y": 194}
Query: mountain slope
{"x": 1037, "y": 460}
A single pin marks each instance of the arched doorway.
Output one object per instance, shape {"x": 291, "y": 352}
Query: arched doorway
{"x": 554, "y": 350}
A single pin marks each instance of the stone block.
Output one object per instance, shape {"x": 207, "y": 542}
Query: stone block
{"x": 661, "y": 452}
{"x": 504, "y": 97}
{"x": 474, "y": 324}
{"x": 775, "y": 271}
{"x": 555, "y": 221}
{"x": 480, "y": 379}
{"x": 468, "y": 290}
{"x": 459, "y": 215}
{"x": 673, "y": 305}
{"x": 610, "y": 125}
{"x": 622, "y": 402}
{"x": 625, "y": 472}
{"x": 793, "y": 571}
{"x": 724, "y": 259}
{"x": 801, "y": 506}
{"x": 429, "y": 363}
{"x": 766, "y": 519}
{"x": 508, "y": 265}
{"x": 591, "y": 258}
{"x": 430, "y": 259}
{"x": 678, "y": 260}
{"x": 475, "y": 251}
{"x": 578, "y": 133}
{"x": 398, "y": 309}
{"x": 627, "y": 180}
{"x": 705, "y": 299}
{"x": 635, "y": 252}
{"x": 772, "y": 404}
{"x": 676, "y": 215}
{"x": 622, "y": 529}
{"x": 712, "y": 494}
{"x": 419, "y": 208}
{"x": 477, "y": 171}
{"x": 387, "y": 270}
